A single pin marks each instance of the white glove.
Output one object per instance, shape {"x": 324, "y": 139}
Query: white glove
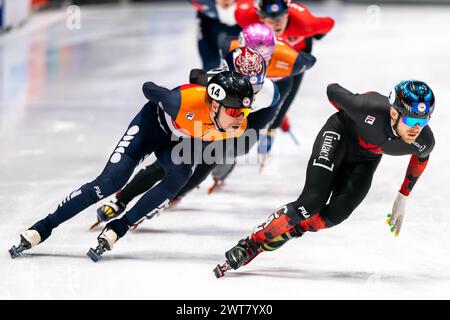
{"x": 395, "y": 219}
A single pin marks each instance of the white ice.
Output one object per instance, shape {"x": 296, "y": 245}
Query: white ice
{"x": 66, "y": 97}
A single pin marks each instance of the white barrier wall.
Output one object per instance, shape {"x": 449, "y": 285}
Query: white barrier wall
{"x": 13, "y": 12}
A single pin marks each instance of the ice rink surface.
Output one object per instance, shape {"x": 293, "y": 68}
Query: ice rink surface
{"x": 66, "y": 97}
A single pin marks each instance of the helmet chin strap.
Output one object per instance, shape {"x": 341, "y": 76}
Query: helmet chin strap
{"x": 395, "y": 126}
{"x": 216, "y": 120}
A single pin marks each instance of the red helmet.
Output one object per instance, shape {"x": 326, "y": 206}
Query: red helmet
{"x": 250, "y": 63}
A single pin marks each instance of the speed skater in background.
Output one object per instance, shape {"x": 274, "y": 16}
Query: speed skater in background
{"x": 294, "y": 25}
{"x": 216, "y": 19}
{"x": 284, "y": 63}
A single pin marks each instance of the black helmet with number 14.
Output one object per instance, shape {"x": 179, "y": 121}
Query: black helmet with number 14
{"x": 231, "y": 89}
{"x": 233, "y": 92}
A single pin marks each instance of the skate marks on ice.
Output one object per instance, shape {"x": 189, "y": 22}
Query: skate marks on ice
{"x": 159, "y": 256}
{"x": 163, "y": 257}
{"x": 30, "y": 255}
{"x": 331, "y": 275}
{"x": 222, "y": 233}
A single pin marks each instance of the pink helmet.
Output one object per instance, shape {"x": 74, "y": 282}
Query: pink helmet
{"x": 260, "y": 37}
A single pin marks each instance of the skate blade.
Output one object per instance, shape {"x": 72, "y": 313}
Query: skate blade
{"x": 262, "y": 162}
{"x": 261, "y": 167}
{"x": 95, "y": 225}
{"x": 211, "y": 189}
{"x": 216, "y": 186}
{"x": 14, "y": 252}
{"x": 218, "y": 272}
{"x": 294, "y": 138}
{"x": 134, "y": 227}
{"x": 94, "y": 255}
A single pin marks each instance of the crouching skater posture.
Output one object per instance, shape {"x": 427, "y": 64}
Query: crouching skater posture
{"x": 206, "y": 114}
{"x": 344, "y": 158}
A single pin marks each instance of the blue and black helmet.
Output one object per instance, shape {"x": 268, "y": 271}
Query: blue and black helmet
{"x": 272, "y": 8}
{"x": 413, "y": 98}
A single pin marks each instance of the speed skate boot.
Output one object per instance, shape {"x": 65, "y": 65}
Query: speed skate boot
{"x": 247, "y": 249}
{"x": 220, "y": 173}
{"x": 28, "y": 239}
{"x": 109, "y": 210}
{"x": 241, "y": 254}
{"x": 218, "y": 183}
{"x": 112, "y": 232}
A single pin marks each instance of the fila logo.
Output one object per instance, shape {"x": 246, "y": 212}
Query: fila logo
{"x": 125, "y": 142}
{"x": 190, "y": 115}
{"x": 370, "y": 120}
{"x": 98, "y": 192}
{"x": 304, "y": 212}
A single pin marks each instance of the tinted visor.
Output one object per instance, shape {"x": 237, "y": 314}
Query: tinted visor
{"x": 236, "y": 113}
{"x": 411, "y": 122}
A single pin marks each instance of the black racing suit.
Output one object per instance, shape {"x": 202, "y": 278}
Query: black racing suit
{"x": 344, "y": 157}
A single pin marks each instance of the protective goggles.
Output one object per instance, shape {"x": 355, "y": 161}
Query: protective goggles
{"x": 411, "y": 122}
{"x": 236, "y": 113}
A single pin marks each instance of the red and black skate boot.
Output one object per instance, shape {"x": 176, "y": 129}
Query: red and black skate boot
{"x": 240, "y": 255}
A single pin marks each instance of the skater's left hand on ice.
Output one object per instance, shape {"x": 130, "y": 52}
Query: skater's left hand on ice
{"x": 395, "y": 219}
